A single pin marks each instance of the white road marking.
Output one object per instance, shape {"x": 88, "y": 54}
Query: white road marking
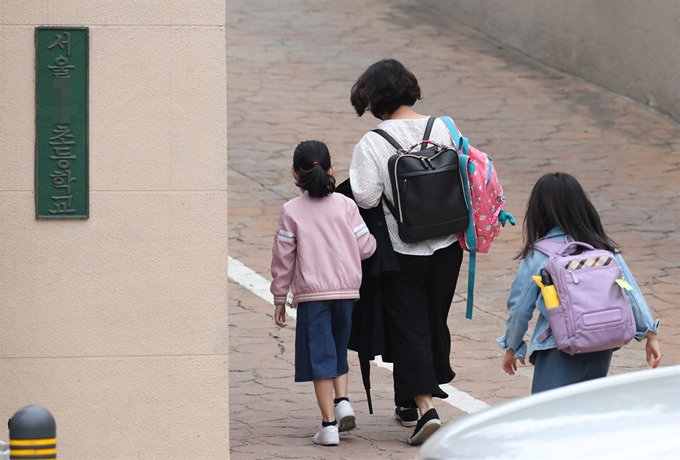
{"x": 260, "y": 287}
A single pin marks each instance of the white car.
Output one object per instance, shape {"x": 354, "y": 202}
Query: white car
{"x": 630, "y": 416}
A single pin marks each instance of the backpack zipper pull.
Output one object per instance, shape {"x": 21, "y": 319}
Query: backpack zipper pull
{"x": 573, "y": 276}
{"x": 425, "y": 162}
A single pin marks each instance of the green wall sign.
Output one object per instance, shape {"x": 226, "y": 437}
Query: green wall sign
{"x": 61, "y": 122}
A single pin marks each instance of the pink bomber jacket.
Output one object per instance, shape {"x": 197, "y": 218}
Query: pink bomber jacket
{"x": 318, "y": 249}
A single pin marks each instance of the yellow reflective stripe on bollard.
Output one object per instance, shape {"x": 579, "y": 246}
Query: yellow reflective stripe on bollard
{"x": 32, "y": 442}
{"x": 33, "y": 448}
{"x": 32, "y": 452}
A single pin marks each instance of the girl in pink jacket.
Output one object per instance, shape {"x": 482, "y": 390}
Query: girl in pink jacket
{"x": 318, "y": 248}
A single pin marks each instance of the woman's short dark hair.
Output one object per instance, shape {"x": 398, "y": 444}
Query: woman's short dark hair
{"x": 311, "y": 161}
{"x": 558, "y": 200}
{"x": 383, "y": 88}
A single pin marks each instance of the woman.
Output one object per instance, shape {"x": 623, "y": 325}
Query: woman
{"x": 417, "y": 299}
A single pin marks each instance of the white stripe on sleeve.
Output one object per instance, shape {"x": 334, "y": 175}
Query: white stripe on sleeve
{"x": 360, "y": 230}
{"x": 288, "y": 237}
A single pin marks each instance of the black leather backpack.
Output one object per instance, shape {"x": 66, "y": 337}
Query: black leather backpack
{"x": 429, "y": 199}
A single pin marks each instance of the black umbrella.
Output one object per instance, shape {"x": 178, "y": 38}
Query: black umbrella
{"x": 366, "y": 378}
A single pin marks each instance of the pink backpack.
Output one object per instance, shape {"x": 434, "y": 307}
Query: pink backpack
{"x": 485, "y": 203}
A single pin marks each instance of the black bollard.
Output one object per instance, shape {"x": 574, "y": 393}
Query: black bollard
{"x": 32, "y": 434}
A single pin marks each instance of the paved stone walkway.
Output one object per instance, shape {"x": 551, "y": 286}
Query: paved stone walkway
{"x": 291, "y": 64}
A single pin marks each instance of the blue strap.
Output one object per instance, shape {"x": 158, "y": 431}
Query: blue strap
{"x": 471, "y": 283}
{"x": 470, "y": 237}
{"x": 462, "y": 143}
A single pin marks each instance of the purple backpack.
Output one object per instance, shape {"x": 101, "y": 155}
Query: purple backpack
{"x": 594, "y": 311}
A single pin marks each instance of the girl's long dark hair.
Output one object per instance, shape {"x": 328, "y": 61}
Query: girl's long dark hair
{"x": 311, "y": 161}
{"x": 558, "y": 200}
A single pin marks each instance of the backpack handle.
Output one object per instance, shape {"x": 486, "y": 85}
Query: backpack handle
{"x": 574, "y": 244}
{"x": 550, "y": 247}
{"x": 423, "y": 145}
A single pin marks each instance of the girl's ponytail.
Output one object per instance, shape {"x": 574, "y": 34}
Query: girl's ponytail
{"x": 312, "y": 162}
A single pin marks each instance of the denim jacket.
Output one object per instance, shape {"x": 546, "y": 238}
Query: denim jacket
{"x": 525, "y": 295}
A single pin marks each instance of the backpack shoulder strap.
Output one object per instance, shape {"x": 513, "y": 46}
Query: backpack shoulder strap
{"x": 460, "y": 142}
{"x": 390, "y": 206}
{"x": 396, "y": 145}
{"x": 428, "y": 131}
{"x": 548, "y": 246}
{"x": 389, "y": 138}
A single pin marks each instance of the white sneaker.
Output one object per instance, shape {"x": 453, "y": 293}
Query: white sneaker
{"x": 327, "y": 436}
{"x": 344, "y": 414}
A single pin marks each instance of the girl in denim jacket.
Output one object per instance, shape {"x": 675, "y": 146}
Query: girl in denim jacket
{"x": 558, "y": 206}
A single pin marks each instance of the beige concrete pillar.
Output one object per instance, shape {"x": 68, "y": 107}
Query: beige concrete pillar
{"x": 118, "y": 324}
